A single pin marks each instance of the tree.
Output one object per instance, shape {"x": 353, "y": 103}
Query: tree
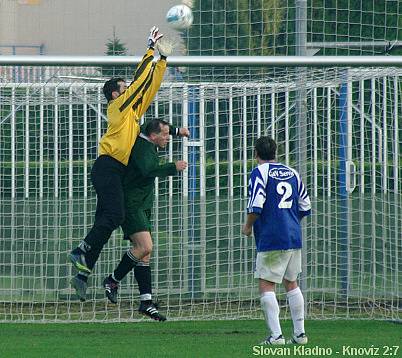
{"x": 235, "y": 27}
{"x": 355, "y": 20}
{"x": 115, "y": 47}
{"x": 231, "y": 28}
{"x": 267, "y": 27}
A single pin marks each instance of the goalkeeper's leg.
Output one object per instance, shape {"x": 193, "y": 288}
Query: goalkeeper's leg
{"x": 79, "y": 283}
{"x": 106, "y": 175}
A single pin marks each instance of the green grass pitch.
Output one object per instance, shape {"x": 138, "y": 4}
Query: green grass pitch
{"x": 198, "y": 339}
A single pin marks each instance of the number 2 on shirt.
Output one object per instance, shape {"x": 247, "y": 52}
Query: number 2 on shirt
{"x": 285, "y": 190}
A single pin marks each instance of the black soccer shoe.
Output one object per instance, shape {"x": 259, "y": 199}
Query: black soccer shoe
{"x": 77, "y": 258}
{"x": 111, "y": 287}
{"x": 150, "y": 309}
{"x": 80, "y": 288}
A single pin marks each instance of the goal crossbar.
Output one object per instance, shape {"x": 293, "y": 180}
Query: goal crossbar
{"x": 190, "y": 61}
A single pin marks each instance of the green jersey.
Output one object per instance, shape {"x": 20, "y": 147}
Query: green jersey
{"x": 142, "y": 169}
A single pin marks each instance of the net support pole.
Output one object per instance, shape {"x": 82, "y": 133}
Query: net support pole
{"x": 155, "y": 233}
{"x": 345, "y": 157}
{"x": 202, "y": 179}
{"x": 193, "y": 237}
{"x": 397, "y": 184}
{"x": 301, "y": 114}
{"x": 217, "y": 187}
{"x": 185, "y": 201}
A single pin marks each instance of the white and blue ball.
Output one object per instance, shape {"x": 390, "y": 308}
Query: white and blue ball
{"x": 180, "y": 17}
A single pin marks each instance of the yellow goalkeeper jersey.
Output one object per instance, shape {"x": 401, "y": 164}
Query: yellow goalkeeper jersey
{"x": 124, "y": 112}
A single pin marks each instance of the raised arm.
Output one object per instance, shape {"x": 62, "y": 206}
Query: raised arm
{"x": 151, "y": 87}
{"x": 142, "y": 76}
{"x": 124, "y": 102}
{"x": 165, "y": 49}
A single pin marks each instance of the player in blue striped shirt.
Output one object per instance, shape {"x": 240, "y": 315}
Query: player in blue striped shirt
{"x": 278, "y": 200}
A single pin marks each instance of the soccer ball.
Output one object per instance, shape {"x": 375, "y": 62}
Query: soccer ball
{"x": 179, "y": 17}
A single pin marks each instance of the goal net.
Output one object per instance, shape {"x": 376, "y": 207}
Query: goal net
{"x": 339, "y": 126}
{"x": 269, "y": 27}
{"x": 202, "y": 265}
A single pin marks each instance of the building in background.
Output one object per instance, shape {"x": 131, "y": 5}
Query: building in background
{"x": 78, "y": 27}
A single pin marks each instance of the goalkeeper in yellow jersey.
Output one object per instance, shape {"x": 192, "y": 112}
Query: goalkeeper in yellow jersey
{"x": 126, "y": 105}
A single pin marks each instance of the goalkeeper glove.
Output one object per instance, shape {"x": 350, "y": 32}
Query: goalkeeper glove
{"x": 154, "y": 36}
{"x": 165, "y": 47}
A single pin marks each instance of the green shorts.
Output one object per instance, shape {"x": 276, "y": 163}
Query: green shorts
{"x": 136, "y": 220}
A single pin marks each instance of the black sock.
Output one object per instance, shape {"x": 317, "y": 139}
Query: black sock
{"x": 92, "y": 256}
{"x": 84, "y": 247}
{"x": 112, "y": 278}
{"x": 126, "y": 264}
{"x": 78, "y": 251}
{"x": 142, "y": 273}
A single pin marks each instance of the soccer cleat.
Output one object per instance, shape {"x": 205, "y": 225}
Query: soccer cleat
{"x": 150, "y": 309}
{"x": 111, "y": 288}
{"x": 274, "y": 341}
{"x": 77, "y": 258}
{"x": 300, "y": 339}
{"x": 80, "y": 288}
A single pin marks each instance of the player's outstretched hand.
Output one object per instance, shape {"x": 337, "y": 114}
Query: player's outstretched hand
{"x": 165, "y": 47}
{"x": 154, "y": 36}
{"x": 184, "y": 132}
{"x": 181, "y": 165}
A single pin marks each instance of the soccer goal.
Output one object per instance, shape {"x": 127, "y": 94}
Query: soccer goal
{"x": 338, "y": 124}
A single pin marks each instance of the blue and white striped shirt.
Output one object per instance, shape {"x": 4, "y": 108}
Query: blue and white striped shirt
{"x": 278, "y": 195}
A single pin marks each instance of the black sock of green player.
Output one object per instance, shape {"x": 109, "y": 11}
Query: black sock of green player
{"x": 142, "y": 273}
{"x": 126, "y": 264}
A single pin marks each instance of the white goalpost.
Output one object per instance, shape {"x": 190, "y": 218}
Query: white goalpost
{"x": 348, "y": 136}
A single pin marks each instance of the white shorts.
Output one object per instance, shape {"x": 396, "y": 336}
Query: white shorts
{"x": 274, "y": 266}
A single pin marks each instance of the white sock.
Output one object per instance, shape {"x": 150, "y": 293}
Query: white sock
{"x": 296, "y": 304}
{"x": 270, "y": 307}
{"x": 146, "y": 297}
